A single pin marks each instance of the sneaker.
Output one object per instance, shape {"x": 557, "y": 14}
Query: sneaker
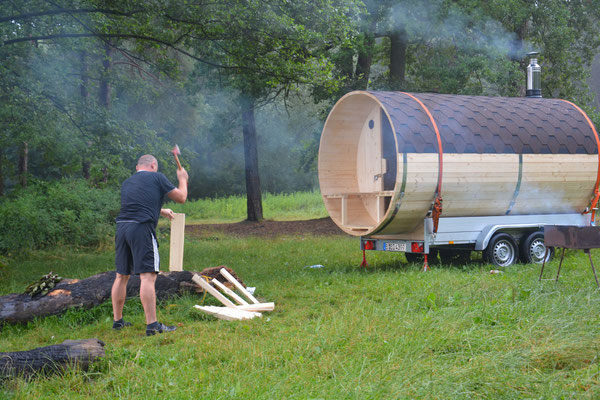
{"x": 120, "y": 324}
{"x": 157, "y": 327}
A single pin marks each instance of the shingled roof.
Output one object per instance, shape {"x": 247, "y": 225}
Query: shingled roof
{"x": 477, "y": 124}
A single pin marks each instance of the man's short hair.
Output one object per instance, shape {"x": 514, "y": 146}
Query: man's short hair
{"x": 146, "y": 160}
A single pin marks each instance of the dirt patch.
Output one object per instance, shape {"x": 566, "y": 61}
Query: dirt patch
{"x": 321, "y": 226}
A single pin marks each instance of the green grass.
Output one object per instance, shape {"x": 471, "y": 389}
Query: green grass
{"x": 281, "y": 207}
{"x": 339, "y": 332}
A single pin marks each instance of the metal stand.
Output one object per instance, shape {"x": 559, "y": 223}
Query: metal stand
{"x": 589, "y": 253}
{"x": 592, "y": 264}
{"x": 364, "y": 262}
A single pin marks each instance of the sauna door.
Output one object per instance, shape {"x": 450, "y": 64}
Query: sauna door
{"x": 370, "y": 166}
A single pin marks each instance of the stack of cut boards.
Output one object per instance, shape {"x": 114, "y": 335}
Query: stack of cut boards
{"x": 231, "y": 311}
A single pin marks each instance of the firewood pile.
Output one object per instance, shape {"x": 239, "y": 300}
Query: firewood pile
{"x": 235, "y": 306}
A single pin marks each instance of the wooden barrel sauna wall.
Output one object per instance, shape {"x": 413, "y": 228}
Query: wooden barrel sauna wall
{"x": 379, "y": 158}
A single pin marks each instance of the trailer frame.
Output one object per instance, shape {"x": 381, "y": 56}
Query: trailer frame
{"x": 470, "y": 233}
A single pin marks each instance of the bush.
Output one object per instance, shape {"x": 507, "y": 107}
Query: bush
{"x": 66, "y": 212}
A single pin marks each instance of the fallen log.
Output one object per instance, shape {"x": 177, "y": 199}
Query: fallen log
{"x": 87, "y": 293}
{"x": 79, "y": 353}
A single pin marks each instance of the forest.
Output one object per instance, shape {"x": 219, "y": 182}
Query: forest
{"x": 243, "y": 87}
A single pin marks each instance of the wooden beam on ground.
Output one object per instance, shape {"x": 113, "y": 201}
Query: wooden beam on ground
{"x": 177, "y": 241}
{"x": 229, "y": 292}
{"x": 206, "y": 286}
{"x": 228, "y": 314}
{"x": 260, "y": 307}
{"x": 238, "y": 285}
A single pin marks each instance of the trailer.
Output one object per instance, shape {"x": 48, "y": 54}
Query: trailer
{"x": 429, "y": 174}
{"x": 503, "y": 240}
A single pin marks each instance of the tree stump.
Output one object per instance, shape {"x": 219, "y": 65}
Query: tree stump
{"x": 79, "y": 353}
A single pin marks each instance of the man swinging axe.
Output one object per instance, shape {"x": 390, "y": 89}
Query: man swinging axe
{"x": 136, "y": 248}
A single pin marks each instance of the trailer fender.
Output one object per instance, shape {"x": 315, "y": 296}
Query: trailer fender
{"x": 486, "y": 234}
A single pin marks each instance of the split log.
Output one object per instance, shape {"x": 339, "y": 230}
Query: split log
{"x": 79, "y": 353}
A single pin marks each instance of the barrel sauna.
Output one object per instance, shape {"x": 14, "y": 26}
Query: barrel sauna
{"x": 384, "y": 156}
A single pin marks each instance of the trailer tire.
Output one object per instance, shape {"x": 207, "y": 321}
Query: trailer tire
{"x": 533, "y": 249}
{"x": 502, "y": 250}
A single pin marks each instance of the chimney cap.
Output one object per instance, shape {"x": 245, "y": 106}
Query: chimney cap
{"x": 533, "y": 53}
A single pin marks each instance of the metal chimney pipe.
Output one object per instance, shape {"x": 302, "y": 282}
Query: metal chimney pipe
{"x": 534, "y": 76}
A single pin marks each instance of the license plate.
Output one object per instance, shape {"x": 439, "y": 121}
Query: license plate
{"x": 394, "y": 246}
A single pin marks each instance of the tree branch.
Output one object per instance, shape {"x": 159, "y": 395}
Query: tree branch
{"x": 117, "y": 36}
{"x": 69, "y": 11}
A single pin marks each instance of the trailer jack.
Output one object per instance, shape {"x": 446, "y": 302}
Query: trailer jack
{"x": 364, "y": 262}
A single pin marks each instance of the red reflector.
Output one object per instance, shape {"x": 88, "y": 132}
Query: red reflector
{"x": 369, "y": 245}
{"x": 416, "y": 247}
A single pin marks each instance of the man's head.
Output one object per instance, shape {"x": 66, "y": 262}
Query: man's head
{"x": 147, "y": 162}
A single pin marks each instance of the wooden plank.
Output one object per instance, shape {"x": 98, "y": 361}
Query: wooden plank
{"x": 369, "y": 157}
{"x": 239, "y": 286}
{"x": 344, "y": 209}
{"x": 386, "y": 193}
{"x": 228, "y": 314}
{"x": 206, "y": 286}
{"x": 260, "y": 307}
{"x": 229, "y": 292}
{"x": 380, "y": 208}
{"x": 177, "y": 242}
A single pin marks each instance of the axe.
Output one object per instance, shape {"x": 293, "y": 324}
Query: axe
{"x": 176, "y": 153}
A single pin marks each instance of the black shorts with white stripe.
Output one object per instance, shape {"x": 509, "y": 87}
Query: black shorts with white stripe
{"x": 136, "y": 248}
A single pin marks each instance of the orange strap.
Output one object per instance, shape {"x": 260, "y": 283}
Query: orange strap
{"x": 437, "y": 205}
{"x": 594, "y": 202}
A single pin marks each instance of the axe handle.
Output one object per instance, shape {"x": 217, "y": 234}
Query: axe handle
{"x": 177, "y": 161}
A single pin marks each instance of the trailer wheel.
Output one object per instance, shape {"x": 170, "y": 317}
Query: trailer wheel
{"x": 455, "y": 257}
{"x": 502, "y": 250}
{"x": 533, "y": 249}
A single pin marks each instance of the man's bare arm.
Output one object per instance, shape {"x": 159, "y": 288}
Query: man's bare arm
{"x": 179, "y": 194}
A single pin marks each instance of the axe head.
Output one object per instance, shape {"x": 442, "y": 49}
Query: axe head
{"x": 176, "y": 151}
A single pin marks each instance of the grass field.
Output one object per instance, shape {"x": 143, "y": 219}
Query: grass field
{"x": 338, "y": 332}
{"x": 280, "y": 207}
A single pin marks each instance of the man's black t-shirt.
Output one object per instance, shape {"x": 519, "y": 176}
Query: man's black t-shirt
{"x": 142, "y": 197}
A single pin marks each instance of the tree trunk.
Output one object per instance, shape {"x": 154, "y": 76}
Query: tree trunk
{"x": 51, "y": 358}
{"x": 253, "y": 192}
{"x": 85, "y": 168}
{"x": 346, "y": 62}
{"x": 363, "y": 64}
{"x": 23, "y": 161}
{"x": 90, "y": 292}
{"x": 86, "y": 293}
{"x": 398, "y": 45}
{"x": 104, "y": 82}
{"x": 1, "y": 175}
{"x": 105, "y": 92}
{"x": 83, "y": 89}
{"x": 84, "y": 76}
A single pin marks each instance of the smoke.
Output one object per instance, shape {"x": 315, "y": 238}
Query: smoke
{"x": 284, "y": 133}
{"x": 436, "y": 23}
